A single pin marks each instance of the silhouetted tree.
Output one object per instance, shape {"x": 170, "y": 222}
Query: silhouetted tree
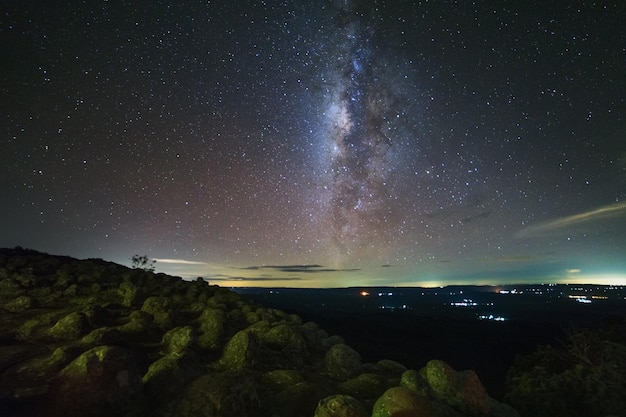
{"x": 143, "y": 262}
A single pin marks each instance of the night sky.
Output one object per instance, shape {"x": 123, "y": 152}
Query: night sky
{"x": 337, "y": 143}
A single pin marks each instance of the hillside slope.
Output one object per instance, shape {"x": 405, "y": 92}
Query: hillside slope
{"x": 90, "y": 337}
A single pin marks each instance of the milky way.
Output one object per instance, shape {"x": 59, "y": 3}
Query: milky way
{"x": 400, "y": 142}
{"x": 359, "y": 165}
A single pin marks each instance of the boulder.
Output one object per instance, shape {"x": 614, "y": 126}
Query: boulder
{"x": 223, "y": 394}
{"x": 242, "y": 351}
{"x": 62, "y": 279}
{"x": 140, "y": 327}
{"x": 412, "y": 380}
{"x": 10, "y": 288}
{"x": 71, "y": 291}
{"x": 212, "y": 328}
{"x": 160, "y": 308}
{"x": 390, "y": 368}
{"x": 461, "y": 390}
{"x": 300, "y": 399}
{"x": 21, "y": 303}
{"x": 330, "y": 341}
{"x": 167, "y": 376}
{"x": 342, "y": 362}
{"x": 129, "y": 293}
{"x": 287, "y": 339}
{"x": 30, "y": 376}
{"x": 365, "y": 386}
{"x": 498, "y": 409}
{"x": 281, "y": 379}
{"x": 399, "y": 401}
{"x": 103, "y": 381}
{"x": 340, "y": 406}
{"x": 70, "y": 327}
{"x": 179, "y": 339}
{"x": 237, "y": 319}
{"x": 104, "y": 336}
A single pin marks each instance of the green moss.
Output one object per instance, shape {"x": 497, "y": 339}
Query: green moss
{"x": 212, "y": 323}
{"x": 21, "y": 303}
{"x": 72, "y": 326}
{"x": 340, "y": 405}
{"x": 242, "y": 351}
{"x": 281, "y": 379}
{"x": 179, "y": 339}
{"x": 364, "y": 386}
{"x": 399, "y": 401}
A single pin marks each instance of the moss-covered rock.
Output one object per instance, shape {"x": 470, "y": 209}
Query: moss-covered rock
{"x": 399, "y": 401}
{"x": 179, "y": 339}
{"x": 461, "y": 390}
{"x": 342, "y": 362}
{"x": 286, "y": 338}
{"x": 212, "y": 328}
{"x": 21, "y": 303}
{"x": 166, "y": 378}
{"x": 32, "y": 327}
{"x": 140, "y": 327}
{"x": 413, "y": 381}
{"x": 390, "y": 368}
{"x": 103, "y": 336}
{"x": 29, "y": 371}
{"x": 340, "y": 406}
{"x": 9, "y": 287}
{"x": 299, "y": 400}
{"x": 223, "y": 394}
{"x": 161, "y": 310}
{"x": 365, "y": 386}
{"x": 71, "y": 291}
{"x": 129, "y": 293}
{"x": 103, "y": 381}
{"x": 72, "y": 326}
{"x": 242, "y": 351}
{"x": 281, "y": 379}
{"x": 330, "y": 341}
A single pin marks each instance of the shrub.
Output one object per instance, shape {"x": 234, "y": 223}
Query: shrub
{"x": 584, "y": 377}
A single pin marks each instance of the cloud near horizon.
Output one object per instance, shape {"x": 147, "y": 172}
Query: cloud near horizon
{"x": 296, "y": 268}
{"x": 558, "y": 225}
{"x": 251, "y": 279}
{"x": 178, "y": 261}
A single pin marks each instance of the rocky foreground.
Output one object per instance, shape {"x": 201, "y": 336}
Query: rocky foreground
{"x": 93, "y": 338}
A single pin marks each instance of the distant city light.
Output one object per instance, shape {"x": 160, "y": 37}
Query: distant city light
{"x": 464, "y": 303}
{"x": 492, "y": 317}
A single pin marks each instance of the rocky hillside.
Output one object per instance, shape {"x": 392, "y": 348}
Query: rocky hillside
{"x": 93, "y": 338}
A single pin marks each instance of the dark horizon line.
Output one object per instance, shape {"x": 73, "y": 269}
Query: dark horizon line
{"x": 431, "y": 288}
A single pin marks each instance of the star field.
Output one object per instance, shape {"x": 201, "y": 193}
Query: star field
{"x": 326, "y": 144}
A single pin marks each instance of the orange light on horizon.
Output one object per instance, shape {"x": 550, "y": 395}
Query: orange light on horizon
{"x": 364, "y": 293}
